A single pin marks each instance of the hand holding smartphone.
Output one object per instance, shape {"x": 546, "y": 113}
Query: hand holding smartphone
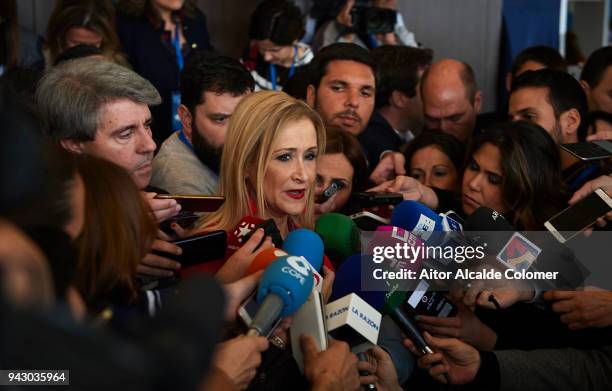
{"x": 580, "y": 216}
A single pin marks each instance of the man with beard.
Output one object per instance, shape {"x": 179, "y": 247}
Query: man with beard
{"x": 342, "y": 88}
{"x": 555, "y": 100}
{"x": 211, "y": 87}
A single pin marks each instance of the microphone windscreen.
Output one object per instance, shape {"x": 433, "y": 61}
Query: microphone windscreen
{"x": 348, "y": 280}
{"x": 305, "y": 243}
{"x": 289, "y": 278}
{"x": 340, "y": 235}
{"x": 237, "y": 237}
{"x": 414, "y": 216}
{"x": 265, "y": 258}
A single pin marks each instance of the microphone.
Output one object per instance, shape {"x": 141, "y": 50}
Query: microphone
{"x": 239, "y": 236}
{"x": 353, "y": 320}
{"x": 423, "y": 295}
{"x": 435, "y": 230}
{"x": 340, "y": 236}
{"x": 265, "y": 258}
{"x": 283, "y": 289}
{"x": 308, "y": 245}
{"x": 245, "y": 228}
{"x": 305, "y": 243}
{"x": 423, "y": 222}
{"x": 388, "y": 302}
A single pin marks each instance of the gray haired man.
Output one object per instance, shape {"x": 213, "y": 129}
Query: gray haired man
{"x": 100, "y": 108}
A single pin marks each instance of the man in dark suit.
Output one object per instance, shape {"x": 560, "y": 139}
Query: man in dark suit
{"x": 399, "y": 109}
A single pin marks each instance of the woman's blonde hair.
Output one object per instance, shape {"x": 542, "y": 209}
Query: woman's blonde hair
{"x": 252, "y": 132}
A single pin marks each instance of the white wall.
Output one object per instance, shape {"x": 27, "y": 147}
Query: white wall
{"x": 467, "y": 30}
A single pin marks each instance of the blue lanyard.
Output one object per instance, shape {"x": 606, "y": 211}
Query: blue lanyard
{"x": 291, "y": 69}
{"x": 176, "y": 42}
{"x": 183, "y": 138}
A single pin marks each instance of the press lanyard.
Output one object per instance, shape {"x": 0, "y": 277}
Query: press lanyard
{"x": 177, "y": 48}
{"x": 176, "y": 95}
{"x": 291, "y": 68}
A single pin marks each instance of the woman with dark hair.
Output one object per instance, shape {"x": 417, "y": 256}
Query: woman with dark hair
{"x": 343, "y": 168}
{"x": 117, "y": 234}
{"x": 275, "y": 53}
{"x": 158, "y": 36}
{"x": 513, "y": 168}
{"x": 435, "y": 159}
{"x": 82, "y": 22}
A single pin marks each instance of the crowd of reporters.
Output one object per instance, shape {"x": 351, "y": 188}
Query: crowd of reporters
{"x": 125, "y": 103}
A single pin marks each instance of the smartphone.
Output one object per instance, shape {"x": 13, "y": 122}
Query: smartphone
{"x": 601, "y": 149}
{"x": 185, "y": 219}
{"x": 368, "y": 221}
{"x": 199, "y": 249}
{"x": 249, "y": 308}
{"x": 429, "y": 302}
{"x": 271, "y": 230}
{"x": 309, "y": 319}
{"x": 571, "y": 221}
{"x": 371, "y": 199}
{"x": 195, "y": 203}
{"x": 329, "y": 192}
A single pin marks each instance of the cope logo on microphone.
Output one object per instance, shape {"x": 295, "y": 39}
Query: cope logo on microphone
{"x": 298, "y": 268}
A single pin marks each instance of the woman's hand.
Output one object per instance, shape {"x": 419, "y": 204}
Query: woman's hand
{"x": 237, "y": 292}
{"x": 236, "y": 265}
